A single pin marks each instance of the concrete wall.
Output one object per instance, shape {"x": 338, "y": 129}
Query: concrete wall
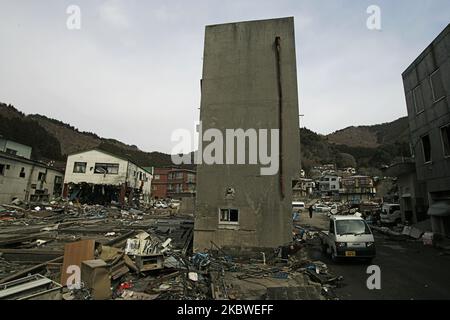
{"x": 22, "y": 150}
{"x": 240, "y": 90}
{"x": 12, "y": 185}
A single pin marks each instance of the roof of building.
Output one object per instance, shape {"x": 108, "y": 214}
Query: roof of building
{"x": 427, "y": 50}
{"x": 111, "y": 154}
{"x": 28, "y": 161}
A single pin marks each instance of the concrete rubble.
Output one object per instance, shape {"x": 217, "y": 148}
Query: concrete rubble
{"x": 126, "y": 253}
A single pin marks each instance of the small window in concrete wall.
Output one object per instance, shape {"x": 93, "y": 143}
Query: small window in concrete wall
{"x": 41, "y": 176}
{"x": 2, "y": 169}
{"x": 445, "y": 135}
{"x": 229, "y": 216}
{"x": 106, "y": 168}
{"x": 436, "y": 86}
{"x": 11, "y": 151}
{"x": 22, "y": 173}
{"x": 426, "y": 146}
{"x": 79, "y": 167}
{"x": 418, "y": 99}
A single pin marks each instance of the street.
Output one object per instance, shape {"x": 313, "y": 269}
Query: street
{"x": 409, "y": 270}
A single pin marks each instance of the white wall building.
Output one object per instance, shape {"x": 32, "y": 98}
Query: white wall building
{"x": 329, "y": 183}
{"x": 112, "y": 173}
{"x": 28, "y": 180}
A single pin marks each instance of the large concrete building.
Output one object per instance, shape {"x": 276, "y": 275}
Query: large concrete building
{"x": 249, "y": 82}
{"x": 427, "y": 89}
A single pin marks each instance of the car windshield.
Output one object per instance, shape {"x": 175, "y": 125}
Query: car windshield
{"x": 352, "y": 227}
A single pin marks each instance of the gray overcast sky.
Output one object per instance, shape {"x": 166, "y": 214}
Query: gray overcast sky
{"x": 132, "y": 72}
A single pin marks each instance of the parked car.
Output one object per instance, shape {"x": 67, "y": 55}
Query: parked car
{"x": 348, "y": 237}
{"x": 174, "y": 204}
{"x": 321, "y": 208}
{"x": 298, "y": 206}
{"x": 160, "y": 205}
{"x": 390, "y": 213}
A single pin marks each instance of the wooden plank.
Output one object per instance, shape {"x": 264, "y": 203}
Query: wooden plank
{"x": 25, "y": 272}
{"x": 74, "y": 254}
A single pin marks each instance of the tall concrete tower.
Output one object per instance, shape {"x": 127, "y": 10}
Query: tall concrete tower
{"x": 249, "y": 82}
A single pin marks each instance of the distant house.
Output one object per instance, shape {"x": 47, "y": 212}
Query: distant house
{"x": 97, "y": 176}
{"x": 329, "y": 185}
{"x": 25, "y": 179}
{"x": 15, "y": 148}
{"x": 357, "y": 189}
{"x": 302, "y": 188}
{"x": 171, "y": 182}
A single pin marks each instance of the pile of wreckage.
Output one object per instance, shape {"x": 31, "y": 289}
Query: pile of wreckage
{"x": 62, "y": 250}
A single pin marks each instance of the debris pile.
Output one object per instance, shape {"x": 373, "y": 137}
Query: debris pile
{"x": 91, "y": 252}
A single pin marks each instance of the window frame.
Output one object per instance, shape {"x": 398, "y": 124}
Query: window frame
{"x": 228, "y": 222}
{"x": 443, "y": 142}
{"x": 100, "y": 164}
{"x": 419, "y": 86}
{"x": 432, "y": 87}
{"x": 423, "y": 149}
{"x": 75, "y": 166}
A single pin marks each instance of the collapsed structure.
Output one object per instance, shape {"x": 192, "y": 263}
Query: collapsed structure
{"x": 97, "y": 176}
{"x": 249, "y": 82}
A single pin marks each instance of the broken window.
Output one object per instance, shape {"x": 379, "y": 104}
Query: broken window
{"x": 79, "y": 167}
{"x": 437, "y": 88}
{"x": 2, "y": 169}
{"x": 11, "y": 151}
{"x": 41, "y": 176}
{"x": 106, "y": 168}
{"x": 418, "y": 99}
{"x": 229, "y": 216}
{"x": 22, "y": 173}
{"x": 426, "y": 146}
{"x": 445, "y": 134}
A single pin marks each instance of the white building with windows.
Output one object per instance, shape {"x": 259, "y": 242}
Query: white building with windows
{"x": 97, "y": 176}
{"x": 27, "y": 180}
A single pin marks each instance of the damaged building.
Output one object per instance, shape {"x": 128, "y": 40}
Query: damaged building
{"x": 97, "y": 176}
{"x": 427, "y": 90}
{"x": 249, "y": 82}
{"x": 24, "y": 179}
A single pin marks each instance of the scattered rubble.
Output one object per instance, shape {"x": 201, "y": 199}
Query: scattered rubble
{"x": 94, "y": 252}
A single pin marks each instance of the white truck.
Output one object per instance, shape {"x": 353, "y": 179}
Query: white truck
{"x": 390, "y": 213}
{"x": 348, "y": 237}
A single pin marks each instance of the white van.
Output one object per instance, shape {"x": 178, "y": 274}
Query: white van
{"x": 348, "y": 237}
{"x": 298, "y": 206}
{"x": 390, "y": 213}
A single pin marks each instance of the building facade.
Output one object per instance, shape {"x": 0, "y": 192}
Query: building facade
{"x": 249, "y": 82}
{"x": 427, "y": 87}
{"x": 329, "y": 185}
{"x": 173, "y": 183}
{"x": 28, "y": 180}
{"x": 357, "y": 189}
{"x": 97, "y": 176}
{"x": 181, "y": 183}
{"x": 15, "y": 148}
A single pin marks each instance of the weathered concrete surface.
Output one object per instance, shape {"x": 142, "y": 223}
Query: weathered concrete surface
{"x": 240, "y": 90}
